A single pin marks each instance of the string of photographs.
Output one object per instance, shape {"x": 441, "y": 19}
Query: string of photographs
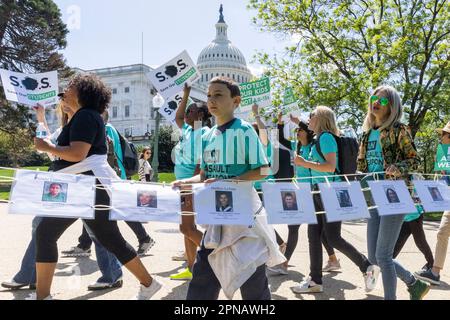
{"x": 53, "y": 194}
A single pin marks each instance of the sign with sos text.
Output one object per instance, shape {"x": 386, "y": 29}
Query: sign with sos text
{"x": 169, "y": 79}
{"x": 169, "y": 109}
{"x": 30, "y": 89}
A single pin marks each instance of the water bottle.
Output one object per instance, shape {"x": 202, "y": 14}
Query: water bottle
{"x": 41, "y": 133}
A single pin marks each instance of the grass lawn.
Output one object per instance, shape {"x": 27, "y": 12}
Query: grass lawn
{"x": 5, "y": 186}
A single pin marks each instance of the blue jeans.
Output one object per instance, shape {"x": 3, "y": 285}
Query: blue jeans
{"x": 382, "y": 235}
{"x": 108, "y": 264}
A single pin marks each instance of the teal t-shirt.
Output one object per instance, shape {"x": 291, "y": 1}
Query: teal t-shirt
{"x": 268, "y": 153}
{"x": 327, "y": 145}
{"x": 232, "y": 150}
{"x": 374, "y": 155}
{"x": 111, "y": 132}
{"x": 300, "y": 171}
{"x": 188, "y": 151}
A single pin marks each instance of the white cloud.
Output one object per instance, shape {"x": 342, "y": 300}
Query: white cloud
{"x": 295, "y": 38}
{"x": 256, "y": 70}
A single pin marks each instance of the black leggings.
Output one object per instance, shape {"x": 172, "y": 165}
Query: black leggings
{"x": 85, "y": 241}
{"x": 106, "y": 231}
{"x": 415, "y": 228}
{"x": 332, "y": 232}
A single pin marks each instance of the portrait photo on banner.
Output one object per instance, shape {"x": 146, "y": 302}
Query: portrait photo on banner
{"x": 147, "y": 199}
{"x": 392, "y": 197}
{"x": 224, "y": 201}
{"x": 434, "y": 195}
{"x": 343, "y": 201}
{"x": 288, "y": 203}
{"x": 55, "y": 192}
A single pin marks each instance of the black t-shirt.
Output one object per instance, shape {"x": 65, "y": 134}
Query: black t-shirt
{"x": 87, "y": 126}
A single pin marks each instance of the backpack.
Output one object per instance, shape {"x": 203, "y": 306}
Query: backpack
{"x": 130, "y": 157}
{"x": 111, "y": 157}
{"x": 348, "y": 149}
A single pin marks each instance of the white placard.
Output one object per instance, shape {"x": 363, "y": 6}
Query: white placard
{"x": 30, "y": 89}
{"x": 144, "y": 202}
{"x": 392, "y": 197}
{"x": 169, "y": 79}
{"x": 343, "y": 201}
{"x": 169, "y": 109}
{"x": 224, "y": 203}
{"x": 289, "y": 203}
{"x": 434, "y": 195}
{"x": 52, "y": 194}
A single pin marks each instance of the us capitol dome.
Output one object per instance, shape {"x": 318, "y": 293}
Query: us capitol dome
{"x": 222, "y": 58}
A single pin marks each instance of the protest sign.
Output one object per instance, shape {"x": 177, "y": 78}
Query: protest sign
{"x": 289, "y": 203}
{"x": 30, "y": 89}
{"x": 442, "y": 158}
{"x": 52, "y": 194}
{"x": 392, "y": 197}
{"x": 169, "y": 109}
{"x": 343, "y": 201}
{"x": 434, "y": 195}
{"x": 169, "y": 79}
{"x": 255, "y": 92}
{"x": 144, "y": 202}
{"x": 224, "y": 203}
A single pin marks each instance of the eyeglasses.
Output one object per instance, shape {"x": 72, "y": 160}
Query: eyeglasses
{"x": 443, "y": 134}
{"x": 148, "y": 153}
{"x": 383, "y": 100}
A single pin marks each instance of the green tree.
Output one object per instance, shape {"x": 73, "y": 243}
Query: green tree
{"x": 165, "y": 146}
{"x": 347, "y": 48}
{"x": 31, "y": 34}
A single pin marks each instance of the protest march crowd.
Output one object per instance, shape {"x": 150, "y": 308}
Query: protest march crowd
{"x": 231, "y": 256}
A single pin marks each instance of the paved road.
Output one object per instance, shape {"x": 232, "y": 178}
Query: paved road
{"x": 73, "y": 275}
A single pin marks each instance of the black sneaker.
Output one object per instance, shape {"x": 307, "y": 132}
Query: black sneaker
{"x": 144, "y": 246}
{"x": 428, "y": 276}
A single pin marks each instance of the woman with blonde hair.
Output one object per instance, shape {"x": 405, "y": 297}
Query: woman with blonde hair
{"x": 387, "y": 146}
{"x": 324, "y": 162}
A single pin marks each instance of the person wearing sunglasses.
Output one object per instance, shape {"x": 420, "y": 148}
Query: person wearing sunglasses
{"x": 432, "y": 275}
{"x": 145, "y": 169}
{"x": 387, "y": 146}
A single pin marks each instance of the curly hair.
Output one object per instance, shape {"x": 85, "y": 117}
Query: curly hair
{"x": 92, "y": 92}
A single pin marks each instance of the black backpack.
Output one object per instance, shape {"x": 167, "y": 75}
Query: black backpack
{"x": 348, "y": 149}
{"x": 130, "y": 157}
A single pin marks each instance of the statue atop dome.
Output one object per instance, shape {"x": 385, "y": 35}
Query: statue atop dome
{"x": 221, "y": 18}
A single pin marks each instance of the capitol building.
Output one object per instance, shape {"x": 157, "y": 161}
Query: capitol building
{"x": 131, "y": 109}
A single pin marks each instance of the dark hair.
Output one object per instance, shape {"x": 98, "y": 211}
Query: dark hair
{"x": 309, "y": 133}
{"x": 206, "y": 119}
{"x": 288, "y": 194}
{"x": 231, "y": 85}
{"x": 92, "y": 92}
{"x": 144, "y": 151}
{"x": 55, "y": 184}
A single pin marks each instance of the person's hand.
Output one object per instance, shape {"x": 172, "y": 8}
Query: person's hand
{"x": 255, "y": 109}
{"x": 299, "y": 161}
{"x": 43, "y": 144}
{"x": 177, "y": 184}
{"x": 393, "y": 171}
{"x": 280, "y": 117}
{"x": 187, "y": 89}
{"x": 294, "y": 119}
{"x": 212, "y": 180}
{"x": 40, "y": 112}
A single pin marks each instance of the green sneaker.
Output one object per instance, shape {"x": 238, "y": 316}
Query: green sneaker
{"x": 418, "y": 290}
{"x": 184, "y": 274}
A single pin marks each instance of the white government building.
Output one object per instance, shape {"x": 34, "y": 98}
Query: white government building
{"x": 131, "y": 109}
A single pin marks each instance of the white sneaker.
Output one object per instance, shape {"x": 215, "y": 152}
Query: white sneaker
{"x": 308, "y": 286}
{"x": 332, "y": 266}
{"x": 180, "y": 256}
{"x": 371, "y": 277}
{"x": 32, "y": 296}
{"x": 277, "y": 270}
{"x": 146, "y": 293}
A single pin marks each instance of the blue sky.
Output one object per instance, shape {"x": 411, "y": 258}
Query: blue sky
{"x": 109, "y": 32}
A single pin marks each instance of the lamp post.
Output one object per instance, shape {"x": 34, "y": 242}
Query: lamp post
{"x": 158, "y": 102}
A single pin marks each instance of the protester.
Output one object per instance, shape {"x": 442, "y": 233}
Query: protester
{"x": 432, "y": 275}
{"x": 83, "y": 137}
{"x": 391, "y": 151}
{"x": 191, "y": 122}
{"x": 233, "y": 272}
{"x": 145, "y": 169}
{"x": 323, "y": 123}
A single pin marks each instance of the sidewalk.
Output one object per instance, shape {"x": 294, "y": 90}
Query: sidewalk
{"x": 73, "y": 275}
